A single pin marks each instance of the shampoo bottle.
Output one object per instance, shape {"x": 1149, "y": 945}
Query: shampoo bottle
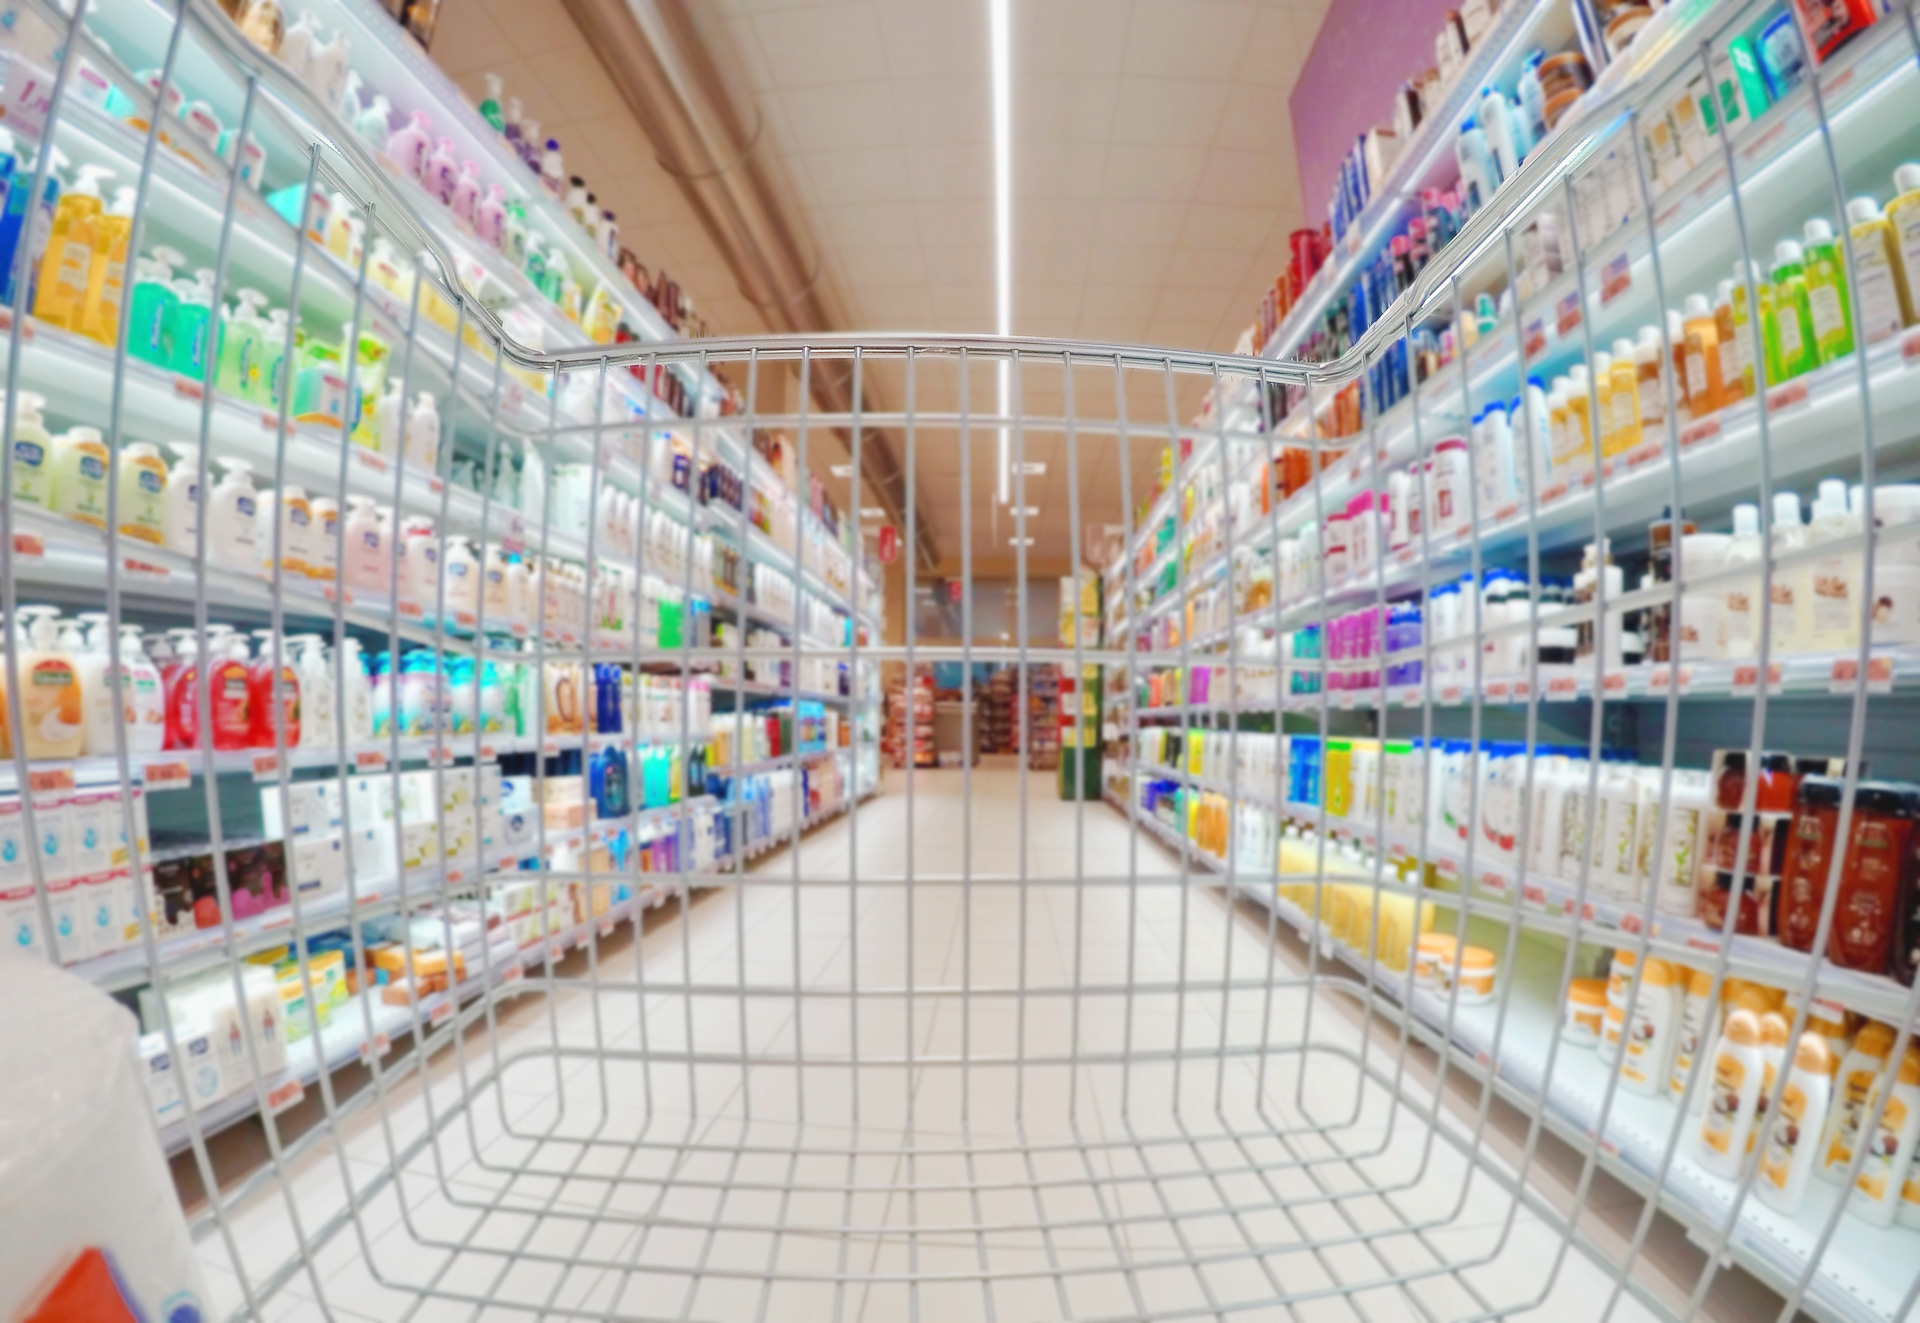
{"x": 1876, "y": 1190}
{"x": 1742, "y": 626}
{"x": 1829, "y": 305}
{"x": 1791, "y": 344}
{"x": 1860, "y": 1070}
{"x": 1627, "y": 432}
{"x": 1733, "y": 353}
{"x": 1903, "y": 215}
{"x": 1789, "y": 591}
{"x": 1832, "y": 617}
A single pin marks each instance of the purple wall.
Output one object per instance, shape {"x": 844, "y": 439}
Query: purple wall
{"x": 1366, "y": 48}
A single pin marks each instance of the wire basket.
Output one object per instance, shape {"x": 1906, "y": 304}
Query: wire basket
{"x": 561, "y": 1035}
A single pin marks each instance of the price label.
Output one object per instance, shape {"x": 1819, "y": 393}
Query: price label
{"x": 412, "y": 610}
{"x": 1534, "y": 894}
{"x": 189, "y": 389}
{"x": 1566, "y": 315}
{"x": 1448, "y": 868}
{"x": 1451, "y": 694}
{"x": 1630, "y": 923}
{"x": 1522, "y": 690}
{"x": 373, "y": 1048}
{"x": 283, "y": 1096}
{"x": 369, "y": 897}
{"x": 29, "y": 544}
{"x": 369, "y": 461}
{"x": 1507, "y": 513}
{"x": 442, "y": 1012}
{"x": 141, "y": 569}
{"x": 1694, "y": 433}
{"x": 1782, "y": 398}
{"x": 1708, "y": 944}
{"x": 370, "y": 760}
{"x": 1533, "y": 341}
{"x": 1910, "y": 348}
{"x": 1645, "y": 453}
{"x": 1493, "y": 881}
{"x": 167, "y": 776}
{"x": 1613, "y": 683}
{"x": 1616, "y": 278}
{"x": 1661, "y": 678}
{"x": 1846, "y": 673}
{"x": 556, "y": 951}
{"x": 605, "y": 926}
{"x": 266, "y": 766}
{"x": 1346, "y": 700}
{"x": 284, "y": 920}
{"x": 513, "y": 973}
{"x": 1562, "y": 689}
{"x": 1410, "y": 696}
{"x": 1497, "y": 691}
{"x": 1746, "y": 679}
{"x": 1407, "y": 555}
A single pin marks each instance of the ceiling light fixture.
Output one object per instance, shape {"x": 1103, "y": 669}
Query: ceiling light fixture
{"x": 873, "y": 512}
{"x": 1030, "y": 511}
{"x": 1000, "y": 48}
{"x": 841, "y": 470}
{"x": 1019, "y": 541}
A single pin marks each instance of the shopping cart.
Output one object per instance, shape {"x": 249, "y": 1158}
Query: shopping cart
{"x": 980, "y": 1047}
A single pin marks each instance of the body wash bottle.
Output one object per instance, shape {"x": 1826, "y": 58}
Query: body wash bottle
{"x": 1828, "y": 304}
{"x": 1875, "y": 1197}
{"x": 1886, "y": 304}
{"x": 1793, "y": 1137}
{"x": 1727, "y": 1123}
{"x": 1791, "y": 344}
{"x": 1786, "y": 608}
{"x": 1832, "y": 613}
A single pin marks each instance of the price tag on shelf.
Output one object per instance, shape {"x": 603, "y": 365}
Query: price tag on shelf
{"x": 1644, "y": 453}
{"x": 1534, "y": 894}
{"x": 556, "y": 951}
{"x": 1507, "y": 513}
{"x": 605, "y": 926}
{"x": 1630, "y": 923}
{"x": 370, "y": 760}
{"x": 188, "y": 389}
{"x": 1791, "y": 395}
{"x": 266, "y": 766}
{"x": 1910, "y": 348}
{"x": 1566, "y": 315}
{"x": 1533, "y": 342}
{"x": 1553, "y": 493}
{"x": 279, "y": 920}
{"x": 1616, "y": 278}
{"x": 1522, "y": 690}
{"x": 372, "y": 1048}
{"x": 1451, "y": 694}
{"x": 513, "y": 973}
{"x": 369, "y": 461}
{"x": 1497, "y": 691}
{"x": 1846, "y": 673}
{"x": 167, "y": 776}
{"x": 1562, "y": 689}
{"x": 1661, "y": 678}
{"x": 1493, "y": 881}
{"x": 29, "y": 544}
{"x": 1447, "y": 868}
{"x": 412, "y": 610}
{"x": 282, "y": 1096}
{"x": 466, "y": 620}
{"x": 1409, "y": 696}
{"x": 442, "y": 1012}
{"x": 1613, "y": 683}
{"x": 1746, "y": 679}
{"x": 369, "y": 897}
{"x": 1697, "y": 942}
{"x": 1694, "y": 433}
{"x": 1346, "y": 700}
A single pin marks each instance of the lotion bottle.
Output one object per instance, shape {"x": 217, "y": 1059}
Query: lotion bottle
{"x": 1727, "y": 1123}
{"x": 1791, "y": 585}
{"x": 180, "y": 512}
{"x": 147, "y": 724}
{"x": 101, "y": 694}
{"x": 1832, "y": 613}
{"x": 1860, "y": 1070}
{"x": 1793, "y": 1138}
{"x": 1875, "y": 1197}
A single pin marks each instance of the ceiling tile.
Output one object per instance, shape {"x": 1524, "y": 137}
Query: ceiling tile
{"x": 1056, "y": 170}
{"x": 1139, "y": 223}
{"x": 1170, "y": 111}
{"x": 930, "y": 38}
{"x": 1064, "y": 108}
{"x": 881, "y": 224}
{"x": 1186, "y": 38}
{"x": 1127, "y": 266}
{"x": 855, "y": 175}
{"x": 842, "y": 115}
{"x": 1204, "y": 269}
{"x": 1047, "y": 263}
{"x": 1068, "y": 36}
{"x": 821, "y": 45}
{"x": 1154, "y": 173}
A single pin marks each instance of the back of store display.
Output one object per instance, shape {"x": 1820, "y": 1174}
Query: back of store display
{"x": 373, "y": 668}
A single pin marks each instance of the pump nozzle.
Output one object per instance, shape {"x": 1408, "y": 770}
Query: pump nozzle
{"x": 87, "y": 182}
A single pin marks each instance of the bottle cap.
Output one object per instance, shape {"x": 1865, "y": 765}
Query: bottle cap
{"x": 1831, "y": 499}
{"x": 1746, "y": 520}
{"x": 1622, "y": 350}
{"x": 1861, "y": 210}
{"x": 1818, "y": 231}
{"x": 1786, "y": 509}
{"x": 1743, "y": 1029}
{"x": 1697, "y": 306}
{"x": 1723, "y": 293}
{"x": 1788, "y": 253}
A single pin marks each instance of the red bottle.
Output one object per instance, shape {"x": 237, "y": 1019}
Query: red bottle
{"x": 260, "y": 687}
{"x": 229, "y": 694}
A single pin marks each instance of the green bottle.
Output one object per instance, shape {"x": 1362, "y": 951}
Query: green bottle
{"x": 1790, "y": 344}
{"x": 490, "y": 108}
{"x": 1827, "y": 301}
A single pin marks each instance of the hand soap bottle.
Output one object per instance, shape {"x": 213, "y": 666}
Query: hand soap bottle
{"x": 1832, "y": 616}
{"x": 1828, "y": 304}
{"x": 1787, "y": 599}
{"x": 107, "y": 277}
{"x": 232, "y": 514}
{"x": 32, "y": 452}
{"x": 1791, "y": 345}
{"x": 142, "y": 493}
{"x": 79, "y": 478}
{"x": 52, "y": 704}
{"x": 61, "y": 291}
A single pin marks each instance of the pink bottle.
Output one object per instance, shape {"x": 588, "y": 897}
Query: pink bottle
{"x": 466, "y": 194}
{"x": 407, "y": 148}
{"x": 440, "y": 174}
{"x": 490, "y": 217}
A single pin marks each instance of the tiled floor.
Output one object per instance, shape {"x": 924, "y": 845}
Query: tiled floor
{"x": 1019, "y": 1100}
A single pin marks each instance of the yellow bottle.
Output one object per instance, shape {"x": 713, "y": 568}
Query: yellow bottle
{"x": 1703, "y": 356}
{"x": 79, "y": 478}
{"x": 1886, "y": 304}
{"x": 62, "y": 291}
{"x": 1903, "y": 215}
{"x": 143, "y": 485}
{"x": 107, "y": 277}
{"x": 1600, "y": 402}
{"x": 1579, "y": 425}
{"x": 1627, "y": 432}
{"x": 51, "y": 706}
{"x": 1733, "y": 351}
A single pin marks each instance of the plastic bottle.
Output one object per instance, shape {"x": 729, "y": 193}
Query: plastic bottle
{"x": 461, "y": 571}
{"x": 1791, "y": 343}
{"x": 78, "y": 476}
{"x": 142, "y": 494}
{"x": 1746, "y": 299}
{"x": 356, "y": 695}
{"x": 316, "y": 690}
{"x": 1624, "y": 391}
{"x": 490, "y": 217}
{"x": 1727, "y": 1123}
{"x": 466, "y": 195}
{"x": 294, "y": 513}
{"x": 1479, "y": 172}
{"x": 490, "y": 109}
{"x": 261, "y": 734}
{"x": 67, "y": 261}
{"x": 107, "y": 276}
{"x": 1793, "y": 1136}
{"x": 1496, "y": 118}
{"x": 1532, "y": 97}
{"x": 553, "y": 171}
{"x": 1833, "y": 582}
{"x": 1694, "y": 1031}
{"x": 150, "y": 327}
{"x": 32, "y": 452}
{"x": 1860, "y": 1069}
{"x": 441, "y": 172}
{"x": 1705, "y": 394}
{"x": 1875, "y": 1197}
{"x": 297, "y": 45}
{"x": 1579, "y": 436}
{"x": 375, "y": 123}
{"x": 369, "y": 560}
{"x": 423, "y": 435}
{"x": 1791, "y": 586}
{"x": 419, "y": 552}
{"x": 1885, "y": 302}
{"x": 1732, "y": 352}
{"x": 1649, "y": 1045}
{"x": 1741, "y": 625}
{"x": 101, "y": 694}
{"x": 52, "y": 703}
{"x": 1829, "y": 305}
{"x": 408, "y": 146}
{"x": 327, "y": 69}
{"x": 192, "y": 311}
{"x": 1652, "y": 392}
{"x": 1600, "y": 403}
{"x": 232, "y": 516}
{"x": 1903, "y": 216}
{"x": 323, "y": 541}
{"x": 239, "y": 365}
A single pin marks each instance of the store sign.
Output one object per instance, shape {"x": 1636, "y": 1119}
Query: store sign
{"x": 889, "y": 544}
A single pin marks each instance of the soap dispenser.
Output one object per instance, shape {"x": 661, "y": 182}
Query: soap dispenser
{"x": 490, "y": 217}
{"x": 32, "y": 452}
{"x": 79, "y": 478}
{"x": 327, "y": 69}
{"x": 191, "y": 316}
{"x": 243, "y": 334}
{"x": 92, "y": 667}
{"x": 142, "y": 493}
{"x": 297, "y": 46}
{"x": 294, "y": 513}
{"x": 375, "y": 123}
{"x": 369, "y": 561}
{"x": 441, "y": 172}
{"x": 490, "y": 104}
{"x": 408, "y": 146}
{"x": 423, "y": 435}
{"x": 107, "y": 276}
{"x": 61, "y": 292}
{"x": 1832, "y": 613}
{"x": 146, "y": 701}
{"x": 466, "y": 195}
{"x": 316, "y": 690}
{"x": 52, "y": 704}
{"x": 232, "y": 514}
{"x": 155, "y": 304}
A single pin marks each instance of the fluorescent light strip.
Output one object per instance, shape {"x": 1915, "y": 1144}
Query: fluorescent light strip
{"x": 1000, "y": 49}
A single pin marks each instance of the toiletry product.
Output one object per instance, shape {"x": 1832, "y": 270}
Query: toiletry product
{"x": 1792, "y": 1142}
{"x": 441, "y": 172}
{"x": 32, "y": 452}
{"x": 1828, "y": 303}
{"x": 1790, "y": 588}
{"x": 490, "y": 109}
{"x": 78, "y": 476}
{"x": 1875, "y": 1197}
{"x": 1652, "y": 391}
{"x": 1702, "y": 339}
{"x": 1695, "y": 1030}
{"x": 142, "y": 491}
{"x": 67, "y": 261}
{"x": 408, "y": 146}
{"x": 232, "y": 514}
{"x": 1728, "y": 1120}
{"x": 288, "y": 513}
{"x": 1885, "y": 302}
{"x": 1864, "y": 1064}
{"x": 1625, "y": 431}
{"x": 52, "y": 704}
{"x": 375, "y": 123}
{"x": 1832, "y": 616}
{"x": 1791, "y": 343}
{"x": 107, "y": 275}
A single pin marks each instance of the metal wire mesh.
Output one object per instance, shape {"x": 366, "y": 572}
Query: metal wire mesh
{"x": 980, "y": 1051}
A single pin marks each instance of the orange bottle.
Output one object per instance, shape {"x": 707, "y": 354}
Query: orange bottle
{"x": 1702, "y": 339}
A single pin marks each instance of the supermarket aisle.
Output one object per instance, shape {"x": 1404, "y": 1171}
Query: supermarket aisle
{"x": 1154, "y": 1162}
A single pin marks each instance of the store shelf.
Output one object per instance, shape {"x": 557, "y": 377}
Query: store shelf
{"x": 1865, "y": 1271}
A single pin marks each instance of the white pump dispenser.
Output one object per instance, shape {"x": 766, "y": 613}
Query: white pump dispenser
{"x": 32, "y": 451}
{"x": 180, "y": 506}
{"x": 423, "y": 435}
{"x": 1742, "y": 595}
{"x": 231, "y": 515}
{"x": 1832, "y": 608}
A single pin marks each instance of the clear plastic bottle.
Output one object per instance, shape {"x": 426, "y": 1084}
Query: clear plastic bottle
{"x": 1791, "y": 587}
{"x": 1833, "y": 582}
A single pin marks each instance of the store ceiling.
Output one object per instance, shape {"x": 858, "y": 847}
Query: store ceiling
{"x": 1153, "y": 183}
